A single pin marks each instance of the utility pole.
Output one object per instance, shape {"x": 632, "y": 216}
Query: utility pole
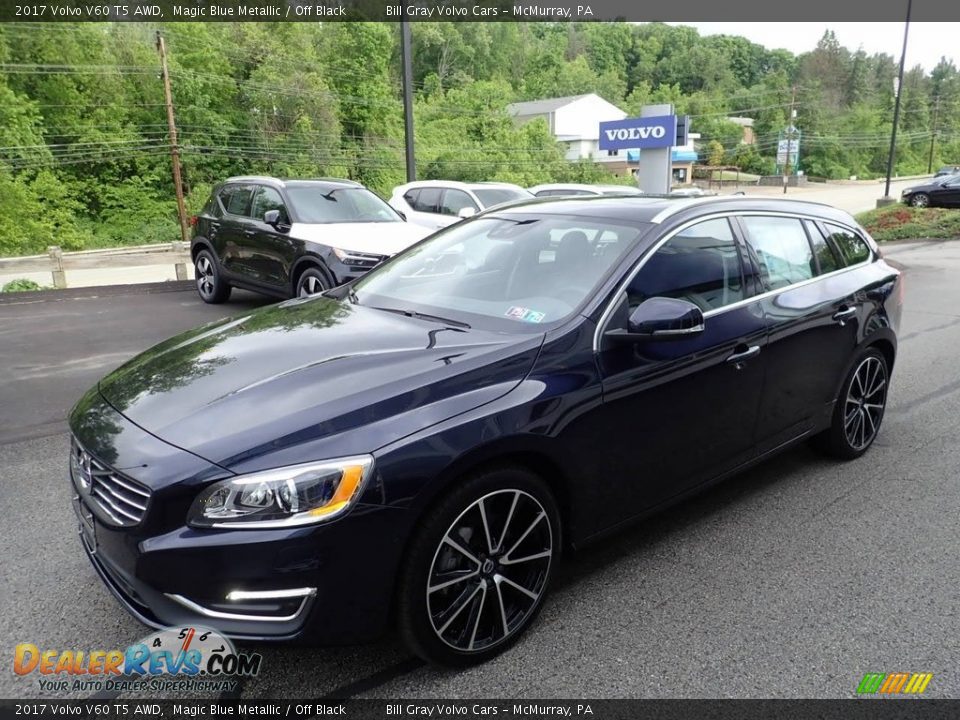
{"x": 933, "y": 137}
{"x": 174, "y": 147}
{"x": 886, "y": 199}
{"x": 790, "y": 133}
{"x": 407, "y": 63}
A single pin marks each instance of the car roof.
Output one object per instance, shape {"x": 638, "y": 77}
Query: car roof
{"x": 458, "y": 185}
{"x": 661, "y": 209}
{"x": 293, "y": 182}
{"x": 595, "y": 188}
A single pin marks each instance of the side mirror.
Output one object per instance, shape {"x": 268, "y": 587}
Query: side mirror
{"x": 661, "y": 318}
{"x": 272, "y": 217}
{"x": 466, "y": 212}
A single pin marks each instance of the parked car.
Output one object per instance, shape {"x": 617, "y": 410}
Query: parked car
{"x": 939, "y": 192}
{"x": 438, "y": 203}
{"x": 947, "y": 170}
{"x": 421, "y": 443}
{"x": 576, "y": 189}
{"x": 292, "y": 237}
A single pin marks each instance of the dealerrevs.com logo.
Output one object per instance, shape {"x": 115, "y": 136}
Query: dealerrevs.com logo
{"x": 176, "y": 658}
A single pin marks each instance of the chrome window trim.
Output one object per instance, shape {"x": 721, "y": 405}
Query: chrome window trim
{"x": 728, "y": 215}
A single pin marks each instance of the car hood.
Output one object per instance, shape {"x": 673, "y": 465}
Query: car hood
{"x": 378, "y": 238}
{"x": 312, "y": 379}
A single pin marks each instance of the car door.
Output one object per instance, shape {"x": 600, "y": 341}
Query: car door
{"x": 949, "y": 195}
{"x": 231, "y": 236}
{"x": 273, "y": 251}
{"x": 812, "y": 309}
{"x": 681, "y": 410}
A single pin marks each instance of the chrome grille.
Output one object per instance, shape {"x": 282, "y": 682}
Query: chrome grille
{"x": 117, "y": 500}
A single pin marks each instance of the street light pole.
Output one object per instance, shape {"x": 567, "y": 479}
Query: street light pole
{"x": 886, "y": 199}
{"x": 407, "y": 63}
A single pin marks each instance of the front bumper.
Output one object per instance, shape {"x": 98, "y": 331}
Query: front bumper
{"x": 186, "y": 577}
{"x": 166, "y": 573}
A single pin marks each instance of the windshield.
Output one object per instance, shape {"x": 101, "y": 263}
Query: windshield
{"x": 317, "y": 204}
{"x": 509, "y": 272}
{"x": 494, "y": 196}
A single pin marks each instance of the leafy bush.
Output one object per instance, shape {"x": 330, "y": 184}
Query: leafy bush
{"x": 21, "y": 285}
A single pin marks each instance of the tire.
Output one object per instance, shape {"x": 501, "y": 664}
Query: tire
{"x": 211, "y": 286}
{"x": 506, "y": 569}
{"x": 312, "y": 281}
{"x": 920, "y": 200}
{"x": 859, "y": 410}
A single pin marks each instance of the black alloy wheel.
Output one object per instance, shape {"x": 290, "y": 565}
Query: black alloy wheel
{"x": 312, "y": 281}
{"x": 479, "y": 568}
{"x": 210, "y": 285}
{"x": 860, "y": 407}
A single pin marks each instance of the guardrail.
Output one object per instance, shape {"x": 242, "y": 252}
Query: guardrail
{"x": 58, "y": 263}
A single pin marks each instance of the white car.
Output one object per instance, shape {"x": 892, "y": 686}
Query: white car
{"x": 574, "y": 189}
{"x": 438, "y": 203}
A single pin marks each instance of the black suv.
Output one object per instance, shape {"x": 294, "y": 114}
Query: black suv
{"x": 292, "y": 237}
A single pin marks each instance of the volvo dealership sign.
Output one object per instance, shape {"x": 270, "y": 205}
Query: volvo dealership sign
{"x": 639, "y": 133}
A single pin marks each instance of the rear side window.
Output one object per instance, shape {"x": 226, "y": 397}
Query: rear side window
{"x": 428, "y": 200}
{"x": 411, "y": 197}
{"x": 824, "y": 252}
{"x": 781, "y": 250}
{"x": 700, "y": 264}
{"x": 853, "y": 248}
{"x": 236, "y": 199}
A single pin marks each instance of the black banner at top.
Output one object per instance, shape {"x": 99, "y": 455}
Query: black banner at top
{"x": 473, "y": 10}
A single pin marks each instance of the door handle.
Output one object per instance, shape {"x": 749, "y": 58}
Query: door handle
{"x": 738, "y": 358}
{"x": 249, "y": 232}
{"x": 841, "y": 316}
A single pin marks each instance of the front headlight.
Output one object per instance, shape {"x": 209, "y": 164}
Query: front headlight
{"x": 907, "y": 191}
{"x": 351, "y": 257}
{"x": 285, "y": 497}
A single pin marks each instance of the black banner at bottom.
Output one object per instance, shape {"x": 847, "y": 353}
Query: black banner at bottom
{"x": 859, "y": 709}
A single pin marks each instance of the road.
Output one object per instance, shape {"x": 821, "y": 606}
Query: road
{"x": 792, "y": 580}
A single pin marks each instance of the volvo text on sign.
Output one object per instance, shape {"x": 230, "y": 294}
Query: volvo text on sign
{"x": 646, "y": 132}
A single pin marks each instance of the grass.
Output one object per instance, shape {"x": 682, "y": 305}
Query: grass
{"x": 899, "y": 222}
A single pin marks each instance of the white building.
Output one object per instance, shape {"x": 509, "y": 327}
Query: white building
{"x": 574, "y": 121}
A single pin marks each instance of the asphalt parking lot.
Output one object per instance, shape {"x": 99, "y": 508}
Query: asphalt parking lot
{"x": 792, "y": 580}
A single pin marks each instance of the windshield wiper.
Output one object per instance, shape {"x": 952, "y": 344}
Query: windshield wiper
{"x": 426, "y": 316}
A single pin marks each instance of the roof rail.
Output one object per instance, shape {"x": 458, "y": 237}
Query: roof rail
{"x": 683, "y": 203}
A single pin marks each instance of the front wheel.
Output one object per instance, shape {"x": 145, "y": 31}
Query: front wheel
{"x": 920, "y": 200}
{"x": 859, "y": 410}
{"x": 479, "y": 567}
{"x": 210, "y": 284}
{"x": 312, "y": 281}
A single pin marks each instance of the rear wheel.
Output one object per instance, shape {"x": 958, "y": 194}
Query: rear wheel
{"x": 920, "y": 200}
{"x": 859, "y": 410}
{"x": 210, "y": 284}
{"x": 479, "y": 567}
{"x": 312, "y": 281}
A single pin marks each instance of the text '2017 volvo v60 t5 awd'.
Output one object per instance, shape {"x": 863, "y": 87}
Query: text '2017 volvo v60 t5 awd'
{"x": 421, "y": 443}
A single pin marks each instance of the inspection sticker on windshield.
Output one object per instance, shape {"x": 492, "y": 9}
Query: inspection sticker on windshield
{"x": 525, "y": 314}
